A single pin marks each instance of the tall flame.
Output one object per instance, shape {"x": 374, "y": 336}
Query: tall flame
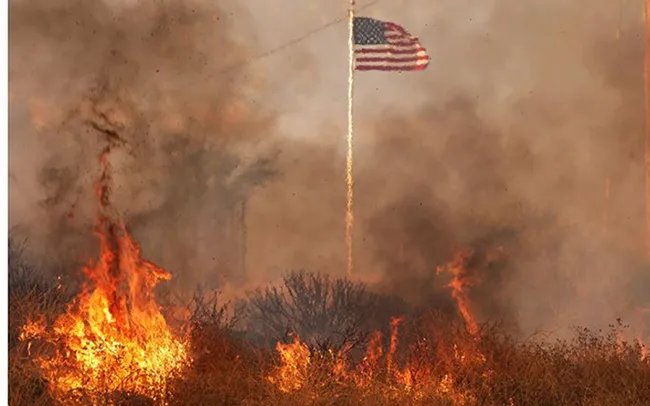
{"x": 113, "y": 336}
{"x": 458, "y": 268}
{"x": 292, "y": 373}
{"x": 411, "y": 375}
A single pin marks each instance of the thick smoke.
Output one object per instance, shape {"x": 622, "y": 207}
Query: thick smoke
{"x": 504, "y": 145}
{"x": 513, "y": 158}
{"x": 169, "y": 78}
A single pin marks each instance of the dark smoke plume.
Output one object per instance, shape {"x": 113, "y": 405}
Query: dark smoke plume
{"x": 513, "y": 162}
{"x": 504, "y": 145}
{"x": 170, "y": 79}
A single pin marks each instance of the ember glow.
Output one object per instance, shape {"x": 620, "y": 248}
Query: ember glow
{"x": 458, "y": 268}
{"x": 379, "y": 368}
{"x": 113, "y": 338}
{"x": 406, "y": 374}
{"x": 292, "y": 372}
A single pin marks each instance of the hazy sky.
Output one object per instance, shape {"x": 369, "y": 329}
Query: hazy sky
{"x": 526, "y": 109}
{"x": 495, "y": 52}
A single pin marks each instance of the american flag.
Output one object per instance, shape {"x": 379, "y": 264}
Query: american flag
{"x": 386, "y": 46}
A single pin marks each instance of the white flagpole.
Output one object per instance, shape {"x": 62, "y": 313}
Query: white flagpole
{"x": 646, "y": 77}
{"x": 349, "y": 217}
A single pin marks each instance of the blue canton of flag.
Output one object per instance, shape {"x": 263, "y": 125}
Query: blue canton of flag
{"x": 386, "y": 46}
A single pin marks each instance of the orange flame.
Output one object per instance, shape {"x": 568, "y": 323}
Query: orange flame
{"x": 370, "y": 363}
{"x": 458, "y": 268}
{"x": 113, "y": 336}
{"x": 394, "y": 324}
{"x": 292, "y": 373}
{"x": 379, "y": 367}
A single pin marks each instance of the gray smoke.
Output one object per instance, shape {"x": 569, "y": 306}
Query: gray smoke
{"x": 170, "y": 78}
{"x": 504, "y": 145}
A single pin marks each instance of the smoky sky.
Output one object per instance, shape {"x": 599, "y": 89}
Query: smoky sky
{"x": 504, "y": 144}
{"x": 161, "y": 76}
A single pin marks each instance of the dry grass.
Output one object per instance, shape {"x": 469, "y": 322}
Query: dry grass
{"x": 588, "y": 370}
{"x": 434, "y": 350}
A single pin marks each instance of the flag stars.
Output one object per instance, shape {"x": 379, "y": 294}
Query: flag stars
{"x": 368, "y": 31}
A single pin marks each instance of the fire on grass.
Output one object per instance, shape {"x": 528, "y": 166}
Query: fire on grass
{"x": 432, "y": 367}
{"x": 379, "y": 363}
{"x": 113, "y": 338}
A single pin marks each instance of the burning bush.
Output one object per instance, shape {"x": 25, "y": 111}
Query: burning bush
{"x": 112, "y": 345}
{"x": 430, "y": 359}
{"x": 444, "y": 364}
{"x": 327, "y": 313}
{"x": 113, "y": 336}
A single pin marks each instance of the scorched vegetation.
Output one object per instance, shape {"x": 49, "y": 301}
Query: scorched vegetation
{"x": 311, "y": 340}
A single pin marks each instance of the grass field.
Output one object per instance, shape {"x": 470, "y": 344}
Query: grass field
{"x": 428, "y": 359}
